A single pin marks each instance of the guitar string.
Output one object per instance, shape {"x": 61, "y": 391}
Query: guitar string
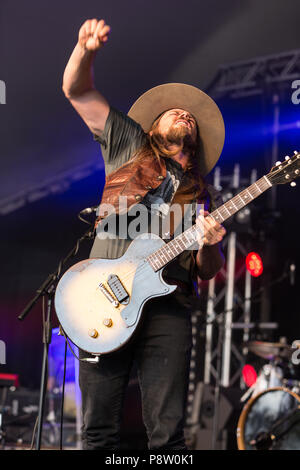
{"x": 145, "y": 265}
{"x": 139, "y": 271}
{"x": 129, "y": 273}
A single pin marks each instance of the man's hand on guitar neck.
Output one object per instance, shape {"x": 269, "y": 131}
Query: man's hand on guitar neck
{"x": 211, "y": 232}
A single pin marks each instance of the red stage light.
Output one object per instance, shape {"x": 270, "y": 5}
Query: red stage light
{"x": 249, "y": 375}
{"x": 254, "y": 264}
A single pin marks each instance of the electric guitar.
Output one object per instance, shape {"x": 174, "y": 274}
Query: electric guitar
{"x": 99, "y": 302}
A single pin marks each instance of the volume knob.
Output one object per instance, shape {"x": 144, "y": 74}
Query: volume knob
{"x": 93, "y": 333}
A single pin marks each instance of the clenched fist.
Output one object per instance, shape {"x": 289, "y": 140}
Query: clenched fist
{"x": 93, "y": 34}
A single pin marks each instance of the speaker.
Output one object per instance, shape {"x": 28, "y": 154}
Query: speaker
{"x": 201, "y": 430}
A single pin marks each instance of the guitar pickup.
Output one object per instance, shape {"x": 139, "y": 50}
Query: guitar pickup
{"x": 108, "y": 295}
{"x": 118, "y": 289}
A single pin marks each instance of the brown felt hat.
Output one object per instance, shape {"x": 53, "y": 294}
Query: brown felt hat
{"x": 178, "y": 95}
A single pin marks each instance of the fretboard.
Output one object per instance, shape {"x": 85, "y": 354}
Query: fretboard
{"x": 189, "y": 237}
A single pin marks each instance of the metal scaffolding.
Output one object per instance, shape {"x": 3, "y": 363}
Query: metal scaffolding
{"x": 265, "y": 76}
{"x": 227, "y": 310}
{"x": 223, "y": 307}
{"x": 254, "y": 76}
{"x": 260, "y": 75}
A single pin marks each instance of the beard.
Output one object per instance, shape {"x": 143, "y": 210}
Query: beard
{"x": 181, "y": 137}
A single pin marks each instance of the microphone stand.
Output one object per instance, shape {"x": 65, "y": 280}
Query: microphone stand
{"x": 47, "y": 289}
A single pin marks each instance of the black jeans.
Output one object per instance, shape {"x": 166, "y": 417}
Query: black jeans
{"x": 161, "y": 349}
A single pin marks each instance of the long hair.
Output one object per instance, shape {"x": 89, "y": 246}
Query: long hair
{"x": 193, "y": 184}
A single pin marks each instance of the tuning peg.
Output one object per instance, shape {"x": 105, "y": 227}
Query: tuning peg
{"x": 287, "y": 158}
{"x": 278, "y": 163}
{"x": 295, "y": 152}
{"x": 293, "y": 184}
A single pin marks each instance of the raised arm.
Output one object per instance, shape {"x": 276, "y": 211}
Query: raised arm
{"x": 78, "y": 81}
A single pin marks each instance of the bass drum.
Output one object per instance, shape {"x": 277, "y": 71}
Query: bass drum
{"x": 270, "y": 421}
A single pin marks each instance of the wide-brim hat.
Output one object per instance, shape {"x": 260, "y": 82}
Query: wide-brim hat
{"x": 189, "y": 98}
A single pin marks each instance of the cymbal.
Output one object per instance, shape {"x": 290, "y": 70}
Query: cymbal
{"x": 269, "y": 351}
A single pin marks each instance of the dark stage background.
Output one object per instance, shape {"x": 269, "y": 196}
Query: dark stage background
{"x": 48, "y": 153}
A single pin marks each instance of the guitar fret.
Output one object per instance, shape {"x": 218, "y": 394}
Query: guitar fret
{"x": 170, "y": 244}
{"x": 157, "y": 261}
{"x": 269, "y": 184}
{"x": 241, "y": 199}
{"x": 153, "y": 261}
{"x": 226, "y": 214}
{"x": 160, "y": 258}
{"x": 249, "y": 193}
{"x": 233, "y": 204}
{"x": 263, "y": 184}
{"x": 225, "y": 207}
{"x": 230, "y": 208}
{"x": 163, "y": 255}
{"x": 258, "y": 187}
{"x": 180, "y": 241}
{"x": 162, "y": 262}
{"x": 173, "y": 243}
{"x": 176, "y": 243}
{"x": 218, "y": 216}
{"x": 184, "y": 240}
{"x": 188, "y": 238}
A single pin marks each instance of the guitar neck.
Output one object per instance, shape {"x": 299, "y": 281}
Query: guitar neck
{"x": 189, "y": 237}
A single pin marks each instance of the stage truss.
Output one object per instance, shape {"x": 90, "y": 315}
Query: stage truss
{"x": 264, "y": 76}
{"x": 256, "y": 76}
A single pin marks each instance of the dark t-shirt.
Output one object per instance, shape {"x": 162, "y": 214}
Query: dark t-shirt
{"x": 120, "y": 140}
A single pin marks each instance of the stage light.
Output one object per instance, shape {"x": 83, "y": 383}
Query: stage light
{"x": 249, "y": 375}
{"x": 254, "y": 264}
{"x": 243, "y": 216}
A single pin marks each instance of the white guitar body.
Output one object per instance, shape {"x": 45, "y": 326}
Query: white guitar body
{"x": 94, "y": 321}
{"x": 99, "y": 302}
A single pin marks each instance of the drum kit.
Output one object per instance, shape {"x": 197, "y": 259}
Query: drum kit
{"x": 270, "y": 419}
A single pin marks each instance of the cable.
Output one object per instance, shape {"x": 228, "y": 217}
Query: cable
{"x": 67, "y": 342}
{"x": 92, "y": 360}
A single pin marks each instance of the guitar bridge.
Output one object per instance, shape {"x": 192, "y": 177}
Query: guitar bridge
{"x": 118, "y": 289}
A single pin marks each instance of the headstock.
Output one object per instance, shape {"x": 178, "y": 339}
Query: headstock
{"x": 287, "y": 171}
